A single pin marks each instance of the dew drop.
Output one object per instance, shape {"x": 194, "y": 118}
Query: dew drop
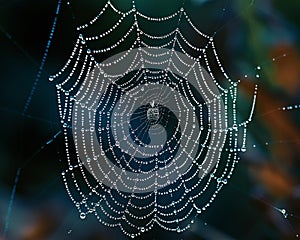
{"x": 82, "y": 216}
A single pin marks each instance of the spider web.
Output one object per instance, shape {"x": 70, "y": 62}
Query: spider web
{"x": 150, "y": 121}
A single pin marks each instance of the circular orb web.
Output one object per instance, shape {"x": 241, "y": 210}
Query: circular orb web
{"x": 152, "y": 135}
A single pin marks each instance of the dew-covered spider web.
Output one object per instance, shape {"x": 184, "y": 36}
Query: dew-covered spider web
{"x": 153, "y": 123}
{"x": 149, "y": 119}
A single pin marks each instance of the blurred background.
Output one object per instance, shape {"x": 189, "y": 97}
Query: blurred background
{"x": 258, "y": 43}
